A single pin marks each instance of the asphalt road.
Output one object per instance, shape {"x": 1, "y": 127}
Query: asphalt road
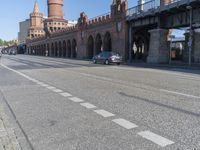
{"x": 63, "y": 104}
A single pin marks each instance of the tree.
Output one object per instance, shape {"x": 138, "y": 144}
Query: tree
{"x": 1, "y": 42}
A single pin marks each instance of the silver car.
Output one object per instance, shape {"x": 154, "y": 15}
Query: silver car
{"x": 107, "y": 58}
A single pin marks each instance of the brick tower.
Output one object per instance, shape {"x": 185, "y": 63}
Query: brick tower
{"x": 55, "y": 19}
{"x": 36, "y": 28}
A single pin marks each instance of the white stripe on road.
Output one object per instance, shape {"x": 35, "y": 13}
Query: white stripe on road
{"x": 76, "y": 99}
{"x": 125, "y": 123}
{"x": 50, "y": 87}
{"x": 44, "y": 85}
{"x": 155, "y": 138}
{"x": 178, "y": 93}
{"x": 65, "y": 94}
{"x": 88, "y": 105}
{"x": 104, "y": 113}
{"x": 57, "y": 90}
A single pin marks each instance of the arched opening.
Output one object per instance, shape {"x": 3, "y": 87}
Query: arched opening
{"x": 107, "y": 42}
{"x": 140, "y": 47}
{"x": 44, "y": 50}
{"x": 56, "y": 49}
{"x": 74, "y": 49}
{"x": 52, "y": 50}
{"x": 47, "y": 50}
{"x": 69, "y": 47}
{"x": 64, "y": 49}
{"x": 90, "y": 47}
{"x": 98, "y": 44}
{"x": 39, "y": 50}
{"x": 60, "y": 49}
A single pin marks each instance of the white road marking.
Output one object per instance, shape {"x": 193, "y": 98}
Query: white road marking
{"x": 88, "y": 105}
{"x": 65, "y": 94}
{"x": 50, "y": 87}
{"x": 57, "y": 90}
{"x": 155, "y": 138}
{"x": 40, "y": 83}
{"x": 104, "y": 113}
{"x": 44, "y": 85}
{"x": 76, "y": 99}
{"x": 178, "y": 93}
{"x": 125, "y": 123}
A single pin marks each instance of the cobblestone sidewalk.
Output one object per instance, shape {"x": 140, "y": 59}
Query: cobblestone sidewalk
{"x": 8, "y": 139}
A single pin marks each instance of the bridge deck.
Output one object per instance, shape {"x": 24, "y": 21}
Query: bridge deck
{"x": 151, "y": 8}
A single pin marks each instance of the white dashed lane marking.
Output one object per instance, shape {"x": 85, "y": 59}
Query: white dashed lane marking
{"x": 44, "y": 85}
{"x": 65, "y": 94}
{"x": 50, "y": 87}
{"x": 155, "y": 138}
{"x": 57, "y": 90}
{"x": 125, "y": 123}
{"x": 76, "y": 99}
{"x": 88, "y": 105}
{"x": 104, "y": 113}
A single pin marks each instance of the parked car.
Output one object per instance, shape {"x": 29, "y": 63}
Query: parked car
{"x": 107, "y": 58}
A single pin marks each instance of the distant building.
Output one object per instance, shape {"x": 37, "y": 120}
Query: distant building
{"x": 23, "y": 31}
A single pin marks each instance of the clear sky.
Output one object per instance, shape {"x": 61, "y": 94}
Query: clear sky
{"x": 14, "y": 11}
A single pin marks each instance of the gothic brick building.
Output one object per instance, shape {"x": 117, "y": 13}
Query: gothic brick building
{"x": 85, "y": 39}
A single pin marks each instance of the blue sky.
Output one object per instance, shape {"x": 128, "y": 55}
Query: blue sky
{"x": 14, "y": 11}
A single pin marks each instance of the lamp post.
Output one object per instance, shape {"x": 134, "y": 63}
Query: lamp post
{"x": 170, "y": 54}
{"x": 190, "y": 38}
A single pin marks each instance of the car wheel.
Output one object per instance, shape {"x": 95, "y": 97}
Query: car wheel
{"x": 106, "y": 62}
{"x": 94, "y": 61}
{"x": 118, "y": 64}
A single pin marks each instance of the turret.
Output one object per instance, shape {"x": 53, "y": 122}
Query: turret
{"x": 36, "y": 28}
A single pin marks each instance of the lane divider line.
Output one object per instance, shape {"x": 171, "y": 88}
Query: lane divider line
{"x": 57, "y": 90}
{"x": 157, "y": 139}
{"x": 50, "y": 87}
{"x": 104, "y": 113}
{"x": 125, "y": 123}
{"x": 178, "y": 93}
{"x": 88, "y": 105}
{"x": 65, "y": 94}
{"x": 76, "y": 99}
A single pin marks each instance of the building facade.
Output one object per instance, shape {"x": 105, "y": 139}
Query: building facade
{"x": 23, "y": 31}
{"x": 138, "y": 34}
{"x": 85, "y": 38}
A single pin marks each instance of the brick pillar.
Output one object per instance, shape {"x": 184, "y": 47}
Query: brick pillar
{"x": 196, "y": 47}
{"x": 159, "y": 46}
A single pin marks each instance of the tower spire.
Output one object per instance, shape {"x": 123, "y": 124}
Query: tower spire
{"x": 36, "y": 8}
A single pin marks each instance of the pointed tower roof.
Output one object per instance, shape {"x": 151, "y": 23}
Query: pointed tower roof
{"x": 36, "y": 8}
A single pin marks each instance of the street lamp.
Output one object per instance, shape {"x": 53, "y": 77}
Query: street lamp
{"x": 170, "y": 54}
{"x": 190, "y": 38}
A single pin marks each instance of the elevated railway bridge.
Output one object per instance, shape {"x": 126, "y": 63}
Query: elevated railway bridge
{"x": 150, "y": 24}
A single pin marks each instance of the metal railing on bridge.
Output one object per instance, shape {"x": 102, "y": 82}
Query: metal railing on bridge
{"x": 147, "y": 6}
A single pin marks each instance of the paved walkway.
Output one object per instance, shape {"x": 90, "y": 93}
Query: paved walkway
{"x": 8, "y": 139}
